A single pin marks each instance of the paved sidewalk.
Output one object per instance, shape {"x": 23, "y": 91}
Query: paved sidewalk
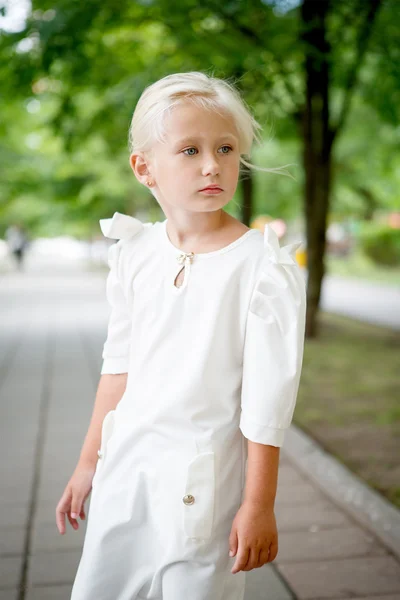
{"x": 368, "y": 301}
{"x": 52, "y": 327}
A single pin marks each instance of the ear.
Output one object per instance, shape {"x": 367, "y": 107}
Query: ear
{"x": 139, "y": 167}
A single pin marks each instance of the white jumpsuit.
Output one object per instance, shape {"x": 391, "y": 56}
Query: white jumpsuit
{"x": 209, "y": 364}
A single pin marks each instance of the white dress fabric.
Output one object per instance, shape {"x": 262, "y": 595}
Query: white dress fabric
{"x": 210, "y": 364}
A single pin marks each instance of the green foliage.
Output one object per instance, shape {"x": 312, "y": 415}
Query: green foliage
{"x": 381, "y": 243}
{"x": 71, "y": 77}
{"x": 366, "y": 174}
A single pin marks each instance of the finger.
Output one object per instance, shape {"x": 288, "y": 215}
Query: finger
{"x": 76, "y": 507}
{"x": 233, "y": 543}
{"x": 241, "y": 559}
{"x": 74, "y": 522}
{"x": 273, "y": 550}
{"x": 61, "y": 509}
{"x": 82, "y": 513}
{"x": 60, "y": 520}
{"x": 252, "y": 560}
{"x": 258, "y": 561}
{"x": 264, "y": 557}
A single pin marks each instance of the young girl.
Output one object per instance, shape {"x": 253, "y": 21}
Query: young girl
{"x": 201, "y": 367}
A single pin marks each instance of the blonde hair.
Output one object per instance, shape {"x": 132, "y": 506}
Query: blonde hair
{"x": 204, "y": 91}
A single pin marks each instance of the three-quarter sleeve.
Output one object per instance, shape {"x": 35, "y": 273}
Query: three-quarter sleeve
{"x": 116, "y": 347}
{"x": 273, "y": 345}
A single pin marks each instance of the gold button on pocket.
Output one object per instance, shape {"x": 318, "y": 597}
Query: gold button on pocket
{"x": 198, "y": 512}
{"x": 188, "y": 499}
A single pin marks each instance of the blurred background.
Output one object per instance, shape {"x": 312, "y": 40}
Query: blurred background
{"x": 323, "y": 79}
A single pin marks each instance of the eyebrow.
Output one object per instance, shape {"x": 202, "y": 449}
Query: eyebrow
{"x": 192, "y": 138}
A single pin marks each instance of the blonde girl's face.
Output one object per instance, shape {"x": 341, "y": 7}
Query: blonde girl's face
{"x": 201, "y": 149}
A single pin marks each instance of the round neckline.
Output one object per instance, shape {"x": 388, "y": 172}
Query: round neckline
{"x": 230, "y": 246}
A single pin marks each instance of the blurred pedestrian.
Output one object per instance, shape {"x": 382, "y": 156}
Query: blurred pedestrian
{"x": 17, "y": 241}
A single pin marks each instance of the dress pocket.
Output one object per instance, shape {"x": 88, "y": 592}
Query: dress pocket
{"x": 198, "y": 501}
{"x": 106, "y": 432}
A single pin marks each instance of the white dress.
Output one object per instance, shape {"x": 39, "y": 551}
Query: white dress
{"x": 209, "y": 364}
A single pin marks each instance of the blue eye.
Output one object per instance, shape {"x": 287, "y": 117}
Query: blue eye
{"x": 189, "y": 149}
{"x": 192, "y": 148}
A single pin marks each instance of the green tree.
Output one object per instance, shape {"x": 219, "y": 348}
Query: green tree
{"x": 304, "y": 70}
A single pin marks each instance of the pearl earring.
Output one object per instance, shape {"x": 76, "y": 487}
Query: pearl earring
{"x": 149, "y": 183}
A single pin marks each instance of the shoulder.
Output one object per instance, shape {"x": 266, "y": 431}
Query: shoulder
{"x": 128, "y": 230}
{"x": 268, "y": 250}
{"x": 267, "y": 260}
{"x": 122, "y": 227}
{"x": 263, "y": 245}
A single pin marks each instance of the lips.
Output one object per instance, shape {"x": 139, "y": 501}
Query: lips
{"x": 211, "y": 187}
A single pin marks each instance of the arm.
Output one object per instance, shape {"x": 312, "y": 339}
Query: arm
{"x": 109, "y": 392}
{"x": 272, "y": 362}
{"x": 254, "y": 534}
{"x": 262, "y": 475}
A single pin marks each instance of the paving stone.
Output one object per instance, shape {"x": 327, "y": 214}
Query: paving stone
{"x": 53, "y": 567}
{"x": 265, "y": 584}
{"x": 303, "y": 493}
{"x": 51, "y": 592}
{"x": 284, "y": 458}
{"x": 344, "y": 578}
{"x": 19, "y": 490}
{"x": 324, "y": 544}
{"x": 287, "y": 475}
{"x": 321, "y": 514}
{"x": 15, "y": 515}
{"x": 348, "y": 491}
{"x": 10, "y": 570}
{"x": 15, "y": 478}
{"x": 12, "y": 540}
{"x": 11, "y": 594}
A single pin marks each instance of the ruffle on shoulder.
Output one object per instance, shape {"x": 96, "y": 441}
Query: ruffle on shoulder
{"x": 284, "y": 255}
{"x": 121, "y": 227}
{"x": 279, "y": 289}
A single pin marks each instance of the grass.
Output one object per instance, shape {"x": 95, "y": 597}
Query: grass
{"x": 349, "y": 401}
{"x": 358, "y": 265}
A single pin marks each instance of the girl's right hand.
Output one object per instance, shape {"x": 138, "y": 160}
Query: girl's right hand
{"x": 73, "y": 499}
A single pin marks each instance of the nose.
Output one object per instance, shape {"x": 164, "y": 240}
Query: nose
{"x": 210, "y": 165}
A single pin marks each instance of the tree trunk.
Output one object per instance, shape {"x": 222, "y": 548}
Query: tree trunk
{"x": 317, "y": 149}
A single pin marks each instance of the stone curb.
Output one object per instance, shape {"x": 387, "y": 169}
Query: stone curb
{"x": 345, "y": 488}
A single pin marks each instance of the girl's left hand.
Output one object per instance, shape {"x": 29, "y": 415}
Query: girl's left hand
{"x": 254, "y": 537}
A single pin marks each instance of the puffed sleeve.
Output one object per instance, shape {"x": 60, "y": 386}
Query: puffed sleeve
{"x": 117, "y": 345}
{"x": 274, "y": 343}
